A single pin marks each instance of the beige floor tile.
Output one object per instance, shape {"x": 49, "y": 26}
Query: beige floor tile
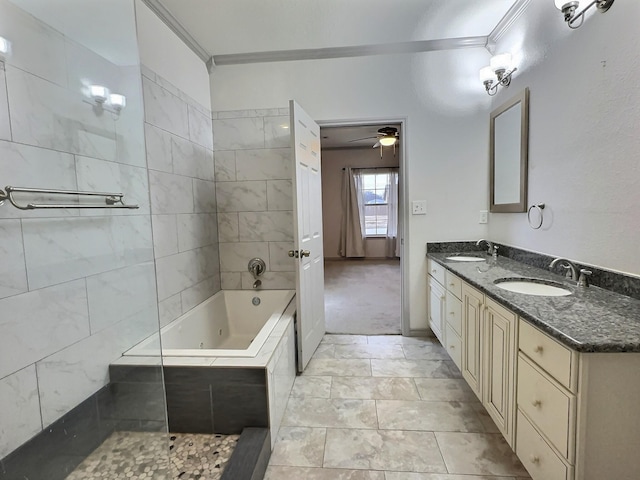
{"x": 445, "y": 390}
{"x": 428, "y": 416}
{"x": 344, "y": 367}
{"x": 401, "y": 340}
{"x": 425, "y": 352}
{"x": 383, "y": 449}
{"x": 375, "y": 388}
{"x": 439, "y": 476}
{"x": 344, "y": 339}
{"x": 325, "y": 350}
{"x": 478, "y": 454}
{"x": 299, "y": 473}
{"x": 299, "y": 447}
{"x": 485, "y": 418}
{"x": 413, "y": 368}
{"x": 308, "y": 386}
{"x": 369, "y": 351}
{"x": 334, "y": 412}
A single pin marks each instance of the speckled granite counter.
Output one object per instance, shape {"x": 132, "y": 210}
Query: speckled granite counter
{"x": 589, "y": 320}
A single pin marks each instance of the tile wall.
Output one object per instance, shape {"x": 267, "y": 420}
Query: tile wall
{"x": 77, "y": 287}
{"x": 179, "y": 140}
{"x": 253, "y": 166}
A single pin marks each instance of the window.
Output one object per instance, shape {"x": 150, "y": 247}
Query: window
{"x": 375, "y": 196}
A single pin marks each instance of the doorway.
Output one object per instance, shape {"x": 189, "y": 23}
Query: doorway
{"x": 363, "y": 285}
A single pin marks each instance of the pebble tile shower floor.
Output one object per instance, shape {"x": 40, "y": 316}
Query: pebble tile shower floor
{"x": 142, "y": 456}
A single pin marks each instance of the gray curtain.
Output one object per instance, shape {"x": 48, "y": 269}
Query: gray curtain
{"x": 392, "y": 246}
{"x": 352, "y": 228}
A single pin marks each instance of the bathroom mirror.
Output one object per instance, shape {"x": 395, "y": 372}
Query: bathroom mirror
{"x": 508, "y": 154}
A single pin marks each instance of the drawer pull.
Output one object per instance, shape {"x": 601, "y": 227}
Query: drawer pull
{"x": 452, "y": 347}
{"x": 452, "y": 313}
{"x": 534, "y": 459}
{"x": 536, "y": 403}
{"x": 452, "y": 284}
{"x": 434, "y": 270}
{"x": 538, "y": 349}
{"x": 443, "y": 297}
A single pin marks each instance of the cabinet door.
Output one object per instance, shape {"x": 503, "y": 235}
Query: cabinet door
{"x": 436, "y": 308}
{"x": 472, "y": 314}
{"x": 499, "y": 369}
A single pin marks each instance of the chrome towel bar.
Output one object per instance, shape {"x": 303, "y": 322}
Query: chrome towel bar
{"x": 111, "y": 200}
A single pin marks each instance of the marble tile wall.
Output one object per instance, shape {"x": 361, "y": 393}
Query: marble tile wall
{"x": 77, "y": 288}
{"x": 179, "y": 140}
{"x": 253, "y": 174}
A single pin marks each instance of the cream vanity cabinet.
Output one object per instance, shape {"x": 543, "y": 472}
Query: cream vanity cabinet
{"x": 445, "y": 309}
{"x": 489, "y": 335}
{"x": 578, "y": 414}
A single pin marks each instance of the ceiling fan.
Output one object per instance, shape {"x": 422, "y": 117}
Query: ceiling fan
{"x": 386, "y": 137}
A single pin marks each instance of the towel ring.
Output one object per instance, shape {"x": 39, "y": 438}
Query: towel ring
{"x": 539, "y": 207}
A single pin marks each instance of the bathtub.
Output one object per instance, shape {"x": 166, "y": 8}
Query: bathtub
{"x": 231, "y": 323}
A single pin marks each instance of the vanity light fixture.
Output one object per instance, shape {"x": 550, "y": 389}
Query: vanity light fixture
{"x": 498, "y": 73}
{"x": 117, "y": 101}
{"x": 5, "y": 47}
{"x": 569, "y": 9}
{"x": 98, "y": 93}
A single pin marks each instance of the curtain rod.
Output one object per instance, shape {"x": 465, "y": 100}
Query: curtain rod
{"x": 370, "y": 168}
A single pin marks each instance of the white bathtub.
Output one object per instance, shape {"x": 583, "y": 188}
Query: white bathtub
{"x": 226, "y": 325}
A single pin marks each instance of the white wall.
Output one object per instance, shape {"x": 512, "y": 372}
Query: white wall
{"x": 446, "y": 134}
{"x": 333, "y": 161}
{"x": 164, "y": 53}
{"x": 584, "y": 135}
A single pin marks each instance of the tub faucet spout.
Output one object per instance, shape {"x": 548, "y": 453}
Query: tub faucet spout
{"x": 257, "y": 283}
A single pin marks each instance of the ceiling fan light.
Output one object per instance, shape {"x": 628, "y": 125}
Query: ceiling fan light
{"x": 388, "y": 140}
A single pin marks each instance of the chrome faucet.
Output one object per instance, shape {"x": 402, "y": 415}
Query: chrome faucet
{"x": 492, "y": 249}
{"x": 580, "y": 275}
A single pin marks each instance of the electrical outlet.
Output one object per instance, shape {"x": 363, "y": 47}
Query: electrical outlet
{"x": 419, "y": 207}
{"x": 484, "y": 216}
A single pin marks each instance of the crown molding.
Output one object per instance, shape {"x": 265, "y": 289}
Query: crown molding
{"x": 352, "y": 51}
{"x": 515, "y": 12}
{"x": 172, "y": 22}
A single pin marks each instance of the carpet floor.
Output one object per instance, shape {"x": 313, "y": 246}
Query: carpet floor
{"x": 362, "y": 297}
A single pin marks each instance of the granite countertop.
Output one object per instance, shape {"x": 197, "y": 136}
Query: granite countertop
{"x": 589, "y": 320}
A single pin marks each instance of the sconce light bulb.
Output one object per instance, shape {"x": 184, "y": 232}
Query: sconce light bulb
{"x": 500, "y": 63}
{"x": 486, "y": 75}
{"x": 98, "y": 93}
{"x": 117, "y": 101}
{"x": 562, "y": 4}
{"x": 5, "y": 46}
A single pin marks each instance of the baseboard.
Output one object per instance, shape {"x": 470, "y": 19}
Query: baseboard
{"x": 422, "y": 332}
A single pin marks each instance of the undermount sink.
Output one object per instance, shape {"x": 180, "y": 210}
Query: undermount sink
{"x": 533, "y": 286}
{"x": 465, "y": 258}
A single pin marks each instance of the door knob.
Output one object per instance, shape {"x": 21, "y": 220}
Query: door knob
{"x": 293, "y": 253}
{"x": 304, "y": 253}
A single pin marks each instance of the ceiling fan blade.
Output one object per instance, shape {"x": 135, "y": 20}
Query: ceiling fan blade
{"x": 365, "y": 138}
{"x": 376, "y": 145}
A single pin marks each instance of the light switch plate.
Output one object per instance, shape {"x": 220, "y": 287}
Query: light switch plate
{"x": 484, "y": 216}
{"x": 419, "y": 207}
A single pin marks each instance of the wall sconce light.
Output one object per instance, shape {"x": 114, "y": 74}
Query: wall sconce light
{"x": 117, "y": 101}
{"x": 569, "y": 9}
{"x": 499, "y": 69}
{"x": 5, "y": 48}
{"x": 98, "y": 93}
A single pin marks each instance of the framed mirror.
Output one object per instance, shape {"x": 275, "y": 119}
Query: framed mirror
{"x": 508, "y": 155}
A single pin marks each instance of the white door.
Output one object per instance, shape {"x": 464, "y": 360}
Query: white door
{"x": 307, "y": 215}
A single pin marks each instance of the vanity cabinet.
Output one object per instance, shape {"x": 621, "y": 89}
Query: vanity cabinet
{"x": 436, "y": 308}
{"x": 578, "y": 414}
{"x": 489, "y": 356}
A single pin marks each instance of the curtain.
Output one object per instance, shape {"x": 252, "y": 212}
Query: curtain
{"x": 392, "y": 246}
{"x": 352, "y": 227}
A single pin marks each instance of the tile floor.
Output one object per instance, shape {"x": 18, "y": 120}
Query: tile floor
{"x": 387, "y": 408}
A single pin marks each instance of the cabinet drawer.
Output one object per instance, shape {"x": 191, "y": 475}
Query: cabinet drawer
{"x": 549, "y": 407}
{"x": 537, "y": 457}
{"x": 553, "y": 357}
{"x": 454, "y": 346}
{"x": 453, "y": 312}
{"x": 436, "y": 271}
{"x": 454, "y": 284}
